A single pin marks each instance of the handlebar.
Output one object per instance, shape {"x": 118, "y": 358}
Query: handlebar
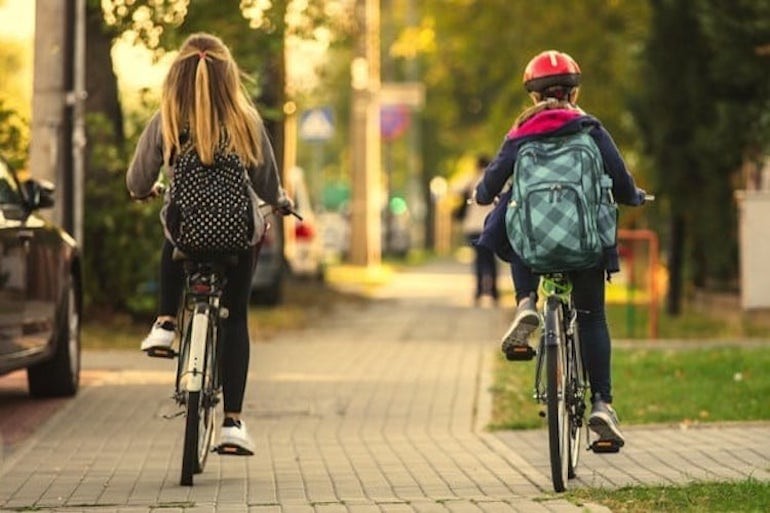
{"x": 295, "y": 214}
{"x": 267, "y": 207}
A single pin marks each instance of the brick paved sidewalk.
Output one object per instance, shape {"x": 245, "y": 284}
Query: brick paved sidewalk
{"x": 376, "y": 410}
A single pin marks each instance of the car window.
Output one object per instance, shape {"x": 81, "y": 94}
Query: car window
{"x": 9, "y": 190}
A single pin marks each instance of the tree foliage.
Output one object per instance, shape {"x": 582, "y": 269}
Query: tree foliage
{"x": 682, "y": 86}
{"x": 474, "y": 73}
{"x": 14, "y": 136}
{"x": 703, "y": 110}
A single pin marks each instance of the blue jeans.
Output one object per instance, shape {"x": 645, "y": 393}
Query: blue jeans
{"x": 588, "y": 298}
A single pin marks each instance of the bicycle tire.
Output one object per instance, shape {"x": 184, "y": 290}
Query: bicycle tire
{"x": 576, "y": 380}
{"x": 190, "y": 448}
{"x": 557, "y": 415}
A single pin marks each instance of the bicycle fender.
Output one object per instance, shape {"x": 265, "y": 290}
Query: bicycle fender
{"x": 198, "y": 335}
{"x": 552, "y": 325}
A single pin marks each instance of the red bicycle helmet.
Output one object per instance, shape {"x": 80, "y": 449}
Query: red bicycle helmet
{"x": 551, "y": 68}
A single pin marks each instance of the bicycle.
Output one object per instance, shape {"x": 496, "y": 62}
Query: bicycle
{"x": 561, "y": 379}
{"x": 198, "y": 386}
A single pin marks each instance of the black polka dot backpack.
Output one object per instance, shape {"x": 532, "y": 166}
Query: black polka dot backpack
{"x": 210, "y": 209}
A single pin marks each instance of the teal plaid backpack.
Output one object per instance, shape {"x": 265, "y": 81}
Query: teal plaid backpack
{"x": 562, "y": 213}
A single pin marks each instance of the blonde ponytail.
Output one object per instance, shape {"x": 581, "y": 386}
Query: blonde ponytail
{"x": 203, "y": 118}
{"x": 204, "y": 95}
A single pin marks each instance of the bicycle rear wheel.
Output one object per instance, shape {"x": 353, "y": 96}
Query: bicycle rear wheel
{"x": 576, "y": 380}
{"x": 200, "y": 403}
{"x": 557, "y": 414}
{"x": 207, "y": 408}
{"x": 189, "y": 457}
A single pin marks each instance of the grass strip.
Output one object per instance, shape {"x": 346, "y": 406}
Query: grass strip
{"x": 682, "y": 386}
{"x": 749, "y": 496}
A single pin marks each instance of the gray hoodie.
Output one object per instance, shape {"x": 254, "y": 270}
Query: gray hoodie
{"x": 147, "y": 162}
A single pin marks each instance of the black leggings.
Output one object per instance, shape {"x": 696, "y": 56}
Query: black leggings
{"x": 235, "y": 329}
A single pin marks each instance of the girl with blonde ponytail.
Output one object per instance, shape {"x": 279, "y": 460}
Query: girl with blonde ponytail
{"x": 205, "y": 109}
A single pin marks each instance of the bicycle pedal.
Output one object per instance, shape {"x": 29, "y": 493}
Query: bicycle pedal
{"x": 231, "y": 450}
{"x": 520, "y": 353}
{"x": 161, "y": 352}
{"x": 606, "y": 446}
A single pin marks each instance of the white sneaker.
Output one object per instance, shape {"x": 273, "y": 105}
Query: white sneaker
{"x": 234, "y": 439}
{"x": 161, "y": 335}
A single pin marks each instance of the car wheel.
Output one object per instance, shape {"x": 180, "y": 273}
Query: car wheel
{"x": 60, "y": 376}
{"x": 271, "y": 295}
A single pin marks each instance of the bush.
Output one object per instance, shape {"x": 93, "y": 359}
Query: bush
{"x": 14, "y": 136}
{"x": 122, "y": 238}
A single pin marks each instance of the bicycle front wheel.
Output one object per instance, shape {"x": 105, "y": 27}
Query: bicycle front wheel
{"x": 558, "y": 418}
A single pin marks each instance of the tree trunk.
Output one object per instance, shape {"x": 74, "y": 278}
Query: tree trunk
{"x": 273, "y": 98}
{"x": 675, "y": 258}
{"x": 101, "y": 82}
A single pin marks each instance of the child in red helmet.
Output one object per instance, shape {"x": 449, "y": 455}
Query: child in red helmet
{"x": 552, "y": 78}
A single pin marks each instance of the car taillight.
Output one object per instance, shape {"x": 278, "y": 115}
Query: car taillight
{"x": 303, "y": 231}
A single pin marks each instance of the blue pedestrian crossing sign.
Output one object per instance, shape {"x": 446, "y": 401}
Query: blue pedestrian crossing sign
{"x": 316, "y": 124}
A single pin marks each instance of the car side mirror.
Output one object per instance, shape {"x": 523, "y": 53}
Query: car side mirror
{"x": 38, "y": 193}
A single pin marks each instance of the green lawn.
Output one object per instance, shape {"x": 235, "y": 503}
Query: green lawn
{"x": 656, "y": 385}
{"x": 748, "y": 496}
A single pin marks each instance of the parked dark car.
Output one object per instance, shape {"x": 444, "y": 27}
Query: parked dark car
{"x": 267, "y": 282}
{"x": 40, "y": 290}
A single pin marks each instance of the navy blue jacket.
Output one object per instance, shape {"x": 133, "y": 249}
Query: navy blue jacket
{"x": 549, "y": 122}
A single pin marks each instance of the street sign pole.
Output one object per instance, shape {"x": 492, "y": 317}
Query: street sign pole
{"x": 316, "y": 127}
